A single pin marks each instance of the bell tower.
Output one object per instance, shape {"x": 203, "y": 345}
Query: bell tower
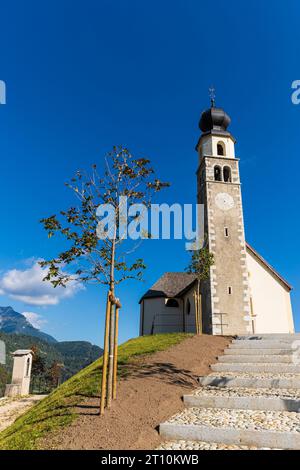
{"x": 226, "y": 302}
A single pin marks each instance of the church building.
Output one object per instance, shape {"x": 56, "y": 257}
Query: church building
{"x": 244, "y": 294}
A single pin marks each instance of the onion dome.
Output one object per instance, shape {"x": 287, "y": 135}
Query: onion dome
{"x": 214, "y": 119}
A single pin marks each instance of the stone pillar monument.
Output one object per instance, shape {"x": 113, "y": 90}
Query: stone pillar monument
{"x": 21, "y": 373}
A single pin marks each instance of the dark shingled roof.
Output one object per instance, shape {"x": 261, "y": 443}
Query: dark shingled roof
{"x": 175, "y": 284}
{"x": 170, "y": 285}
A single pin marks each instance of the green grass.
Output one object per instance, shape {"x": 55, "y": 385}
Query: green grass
{"x": 56, "y": 410}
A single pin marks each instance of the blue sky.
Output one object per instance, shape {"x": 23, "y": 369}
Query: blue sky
{"x": 83, "y": 76}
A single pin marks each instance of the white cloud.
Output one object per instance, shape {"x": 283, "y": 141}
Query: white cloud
{"x": 28, "y": 286}
{"x": 35, "y": 319}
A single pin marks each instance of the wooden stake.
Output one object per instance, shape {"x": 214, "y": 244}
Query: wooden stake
{"x": 109, "y": 392}
{"x": 105, "y": 354}
{"x": 196, "y": 313}
{"x": 200, "y": 314}
{"x": 116, "y": 353}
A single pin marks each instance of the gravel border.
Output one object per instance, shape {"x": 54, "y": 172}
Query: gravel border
{"x": 210, "y": 391}
{"x": 200, "y": 445}
{"x": 282, "y": 421}
{"x": 255, "y": 375}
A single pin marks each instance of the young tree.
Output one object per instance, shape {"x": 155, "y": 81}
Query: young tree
{"x": 200, "y": 264}
{"x": 97, "y": 259}
{"x": 54, "y": 373}
{"x": 38, "y": 362}
{"x": 38, "y": 369}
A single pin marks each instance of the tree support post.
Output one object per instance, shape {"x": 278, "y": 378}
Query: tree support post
{"x": 115, "y": 373}
{"x": 111, "y": 354}
{"x": 105, "y": 353}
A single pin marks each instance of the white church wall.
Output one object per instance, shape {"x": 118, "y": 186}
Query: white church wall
{"x": 157, "y": 318}
{"x": 270, "y": 299}
{"x": 208, "y": 146}
{"x": 227, "y": 143}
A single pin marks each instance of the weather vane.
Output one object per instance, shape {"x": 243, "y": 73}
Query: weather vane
{"x": 212, "y": 96}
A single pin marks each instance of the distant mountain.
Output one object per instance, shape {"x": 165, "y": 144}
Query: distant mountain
{"x": 16, "y": 323}
{"x": 18, "y": 333}
{"x": 74, "y": 355}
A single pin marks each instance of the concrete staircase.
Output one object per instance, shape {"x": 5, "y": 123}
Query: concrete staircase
{"x": 251, "y": 400}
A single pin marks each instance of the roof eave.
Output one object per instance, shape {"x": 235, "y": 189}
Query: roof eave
{"x": 276, "y": 274}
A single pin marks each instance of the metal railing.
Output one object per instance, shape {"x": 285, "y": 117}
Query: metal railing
{"x": 164, "y": 315}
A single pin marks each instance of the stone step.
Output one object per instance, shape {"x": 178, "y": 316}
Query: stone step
{"x": 264, "y": 344}
{"x": 274, "y": 429}
{"x": 245, "y": 399}
{"x": 270, "y": 336}
{"x": 261, "y": 367}
{"x": 266, "y": 358}
{"x": 285, "y": 381}
{"x": 258, "y": 351}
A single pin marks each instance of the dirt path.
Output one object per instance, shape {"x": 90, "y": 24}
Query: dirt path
{"x": 12, "y": 408}
{"x": 149, "y": 396}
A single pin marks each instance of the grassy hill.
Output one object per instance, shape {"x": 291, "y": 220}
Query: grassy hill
{"x": 75, "y": 355}
{"x": 55, "y": 410}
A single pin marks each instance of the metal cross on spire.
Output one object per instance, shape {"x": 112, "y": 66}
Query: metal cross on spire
{"x": 212, "y": 96}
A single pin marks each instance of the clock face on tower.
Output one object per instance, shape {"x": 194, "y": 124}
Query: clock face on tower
{"x": 224, "y": 201}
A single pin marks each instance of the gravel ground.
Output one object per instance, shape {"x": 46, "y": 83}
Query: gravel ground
{"x": 282, "y": 421}
{"x": 247, "y": 392}
{"x": 199, "y": 445}
{"x": 12, "y": 408}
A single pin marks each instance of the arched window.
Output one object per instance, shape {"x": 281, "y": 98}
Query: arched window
{"x": 227, "y": 174}
{"x": 220, "y": 148}
{"x": 218, "y": 173}
{"x": 27, "y": 367}
{"x": 172, "y": 303}
{"x": 188, "y": 306}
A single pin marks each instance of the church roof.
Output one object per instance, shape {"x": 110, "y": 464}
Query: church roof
{"x": 268, "y": 266}
{"x": 175, "y": 284}
{"x": 170, "y": 285}
{"x": 214, "y": 121}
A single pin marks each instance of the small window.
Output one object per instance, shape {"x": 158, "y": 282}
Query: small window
{"x": 202, "y": 177}
{"x": 226, "y": 232}
{"x": 172, "y": 303}
{"x": 227, "y": 174}
{"x": 218, "y": 173}
{"x": 229, "y": 290}
{"x": 220, "y": 148}
{"x": 188, "y": 306}
{"x": 27, "y": 367}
